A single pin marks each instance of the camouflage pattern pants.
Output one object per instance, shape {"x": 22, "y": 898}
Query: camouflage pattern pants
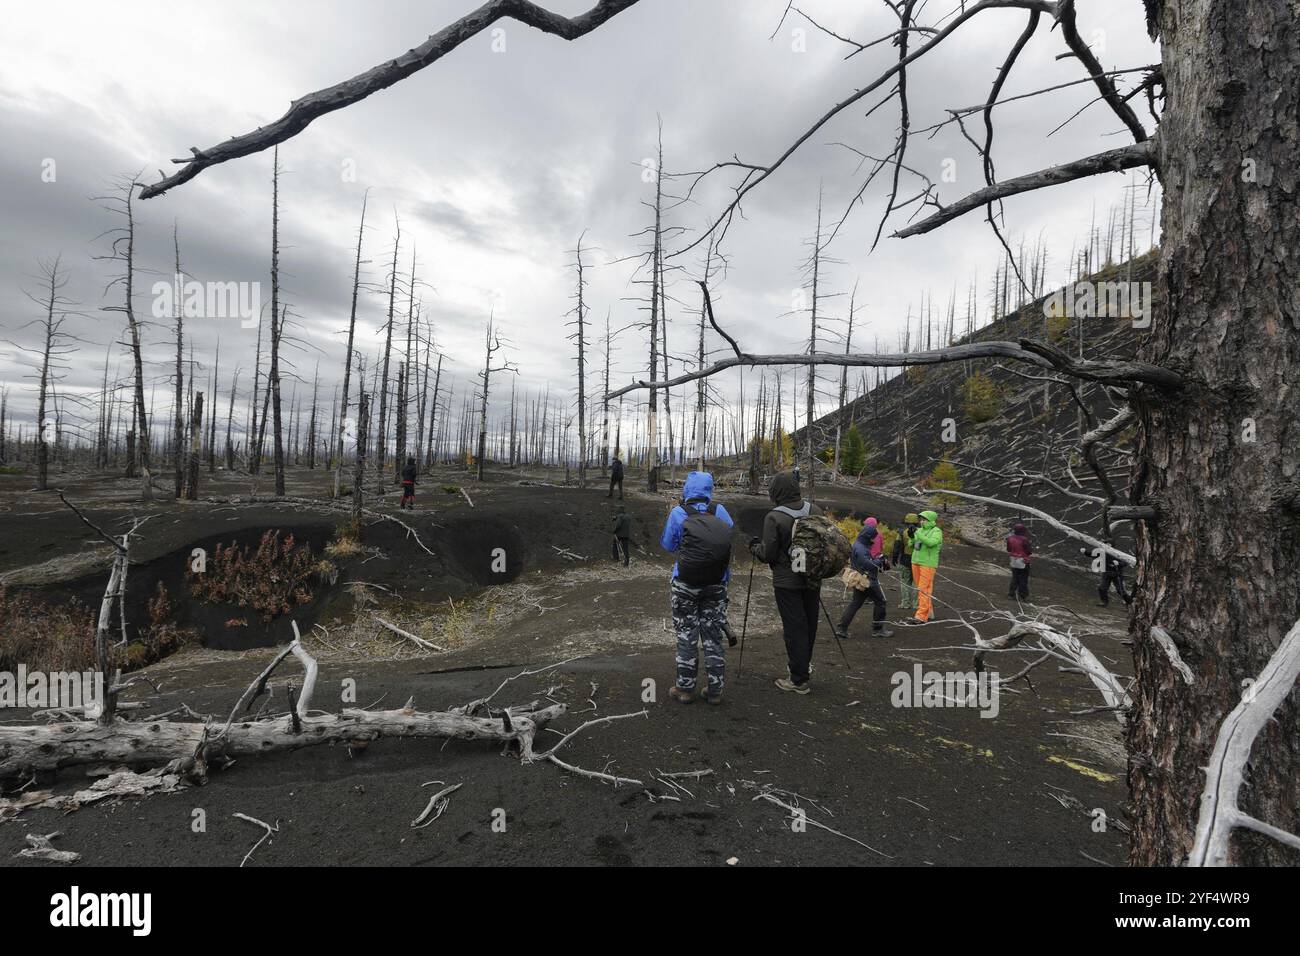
{"x": 698, "y": 618}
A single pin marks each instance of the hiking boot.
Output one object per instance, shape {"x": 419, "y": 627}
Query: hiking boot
{"x": 683, "y": 696}
{"x": 881, "y": 631}
{"x": 787, "y": 684}
{"x": 714, "y": 700}
{"x": 842, "y": 633}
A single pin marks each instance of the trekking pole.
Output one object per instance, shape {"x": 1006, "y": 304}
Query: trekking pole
{"x": 838, "y": 643}
{"x": 749, "y": 589}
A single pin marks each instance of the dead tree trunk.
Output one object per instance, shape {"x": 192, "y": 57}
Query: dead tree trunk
{"x": 1226, "y": 448}
{"x": 381, "y": 441}
{"x": 347, "y": 356}
{"x": 178, "y": 419}
{"x": 50, "y": 346}
{"x": 359, "y": 466}
{"x": 579, "y": 336}
{"x": 196, "y": 442}
{"x": 123, "y": 251}
{"x": 230, "y": 415}
{"x": 277, "y": 327}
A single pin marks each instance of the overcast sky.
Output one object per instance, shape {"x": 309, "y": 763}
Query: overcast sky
{"x": 497, "y": 160}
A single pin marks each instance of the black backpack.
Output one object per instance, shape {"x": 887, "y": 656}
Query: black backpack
{"x": 705, "y": 551}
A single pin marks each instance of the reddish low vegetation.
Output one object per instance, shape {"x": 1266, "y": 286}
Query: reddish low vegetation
{"x": 60, "y": 636}
{"x": 272, "y": 578}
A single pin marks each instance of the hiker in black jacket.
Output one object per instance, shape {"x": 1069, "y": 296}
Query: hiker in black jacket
{"x": 797, "y": 598}
{"x": 621, "y": 528}
{"x": 616, "y": 477}
{"x": 408, "y": 485}
{"x": 1112, "y": 575}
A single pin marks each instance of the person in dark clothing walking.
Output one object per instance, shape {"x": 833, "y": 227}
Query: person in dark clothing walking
{"x": 901, "y": 558}
{"x": 1020, "y": 549}
{"x": 797, "y": 598}
{"x": 616, "y": 477}
{"x": 1113, "y": 575}
{"x": 698, "y": 531}
{"x": 408, "y": 485}
{"x": 621, "y": 529}
{"x": 862, "y": 577}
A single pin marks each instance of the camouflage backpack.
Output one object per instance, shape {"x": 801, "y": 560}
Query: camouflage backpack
{"x": 818, "y": 545}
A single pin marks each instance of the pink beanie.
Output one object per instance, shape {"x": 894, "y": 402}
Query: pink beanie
{"x": 870, "y": 521}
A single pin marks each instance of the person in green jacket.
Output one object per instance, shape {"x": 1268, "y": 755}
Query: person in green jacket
{"x": 902, "y": 559}
{"x": 927, "y": 542}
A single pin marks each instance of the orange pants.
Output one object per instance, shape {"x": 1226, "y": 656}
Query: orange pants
{"x": 923, "y": 579}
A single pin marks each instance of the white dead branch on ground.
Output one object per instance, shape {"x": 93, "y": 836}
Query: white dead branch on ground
{"x": 40, "y": 848}
{"x": 265, "y": 836}
{"x": 416, "y": 639}
{"x": 436, "y": 805}
{"x": 797, "y": 814}
{"x": 1226, "y": 772}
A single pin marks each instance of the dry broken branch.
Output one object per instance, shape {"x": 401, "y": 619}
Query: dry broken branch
{"x": 303, "y": 111}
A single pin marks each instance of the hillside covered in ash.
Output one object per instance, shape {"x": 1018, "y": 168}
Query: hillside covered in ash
{"x": 1010, "y": 431}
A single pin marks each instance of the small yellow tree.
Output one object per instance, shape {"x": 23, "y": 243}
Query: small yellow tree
{"x": 981, "y": 398}
{"x": 946, "y": 477}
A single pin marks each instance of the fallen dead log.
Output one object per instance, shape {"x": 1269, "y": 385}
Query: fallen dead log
{"x": 192, "y": 746}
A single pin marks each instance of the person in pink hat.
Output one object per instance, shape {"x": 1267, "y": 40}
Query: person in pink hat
{"x": 878, "y": 542}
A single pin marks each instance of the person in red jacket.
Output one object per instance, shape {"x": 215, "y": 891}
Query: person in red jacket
{"x": 1020, "y": 549}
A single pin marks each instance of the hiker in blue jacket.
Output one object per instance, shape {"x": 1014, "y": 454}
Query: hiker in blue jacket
{"x": 862, "y": 576}
{"x": 698, "y": 531}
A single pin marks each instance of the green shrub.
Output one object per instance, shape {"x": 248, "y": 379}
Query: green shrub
{"x": 853, "y": 453}
{"x": 981, "y": 398}
{"x": 945, "y": 477}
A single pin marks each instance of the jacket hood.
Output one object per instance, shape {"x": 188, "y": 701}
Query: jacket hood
{"x": 867, "y": 533}
{"x": 784, "y": 489}
{"x": 931, "y": 517}
{"x": 698, "y": 484}
{"x": 1018, "y": 528}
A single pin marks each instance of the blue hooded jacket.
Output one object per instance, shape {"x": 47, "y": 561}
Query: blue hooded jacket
{"x": 699, "y": 484}
{"x": 862, "y": 560}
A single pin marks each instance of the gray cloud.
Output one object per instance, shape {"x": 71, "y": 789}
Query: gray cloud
{"x": 496, "y": 162}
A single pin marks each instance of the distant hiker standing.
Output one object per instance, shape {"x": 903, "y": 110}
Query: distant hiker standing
{"x": 926, "y": 544}
{"x": 1020, "y": 549}
{"x": 798, "y": 593}
{"x": 616, "y": 477}
{"x": 621, "y": 528}
{"x": 901, "y": 557}
{"x": 861, "y": 577}
{"x": 408, "y": 485}
{"x": 1112, "y": 575}
{"x": 698, "y": 530}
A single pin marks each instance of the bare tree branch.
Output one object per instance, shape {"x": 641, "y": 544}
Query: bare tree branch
{"x": 1111, "y": 161}
{"x": 303, "y": 111}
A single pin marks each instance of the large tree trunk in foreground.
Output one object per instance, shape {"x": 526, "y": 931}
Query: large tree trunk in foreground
{"x": 1221, "y": 570}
